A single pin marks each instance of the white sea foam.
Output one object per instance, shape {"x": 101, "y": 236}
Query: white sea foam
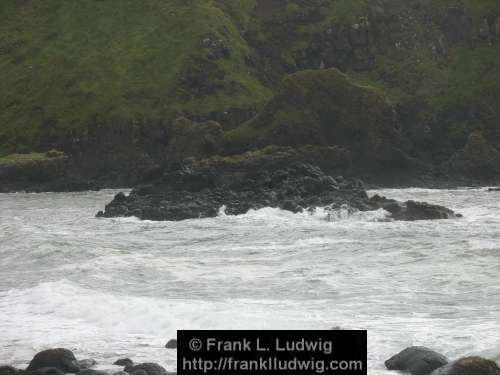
{"x": 122, "y": 287}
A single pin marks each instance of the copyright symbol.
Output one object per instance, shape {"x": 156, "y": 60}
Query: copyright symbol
{"x": 195, "y": 345}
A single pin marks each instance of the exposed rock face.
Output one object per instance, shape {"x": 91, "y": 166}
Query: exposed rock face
{"x": 50, "y": 172}
{"x": 469, "y": 366}
{"x": 62, "y": 359}
{"x": 38, "y": 170}
{"x": 416, "y": 360}
{"x": 199, "y": 191}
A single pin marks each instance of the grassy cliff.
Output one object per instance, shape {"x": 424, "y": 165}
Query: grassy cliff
{"x": 70, "y": 65}
{"x": 65, "y": 64}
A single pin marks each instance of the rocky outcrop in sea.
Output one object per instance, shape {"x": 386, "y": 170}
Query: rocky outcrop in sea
{"x": 203, "y": 189}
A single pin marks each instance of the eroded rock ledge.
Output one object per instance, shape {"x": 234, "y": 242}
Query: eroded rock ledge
{"x": 200, "y": 189}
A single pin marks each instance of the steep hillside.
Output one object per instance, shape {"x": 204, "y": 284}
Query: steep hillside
{"x": 65, "y": 65}
{"x": 105, "y": 80}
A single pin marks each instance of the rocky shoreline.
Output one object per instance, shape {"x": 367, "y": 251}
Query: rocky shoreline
{"x": 416, "y": 360}
{"x": 200, "y": 190}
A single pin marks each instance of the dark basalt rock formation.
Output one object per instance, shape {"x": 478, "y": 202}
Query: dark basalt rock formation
{"x": 51, "y": 172}
{"x": 469, "y": 366}
{"x": 199, "y": 190}
{"x": 45, "y": 371}
{"x": 416, "y": 360}
{"x": 92, "y": 372}
{"x": 61, "y": 359}
{"x": 147, "y": 368}
{"x": 8, "y": 370}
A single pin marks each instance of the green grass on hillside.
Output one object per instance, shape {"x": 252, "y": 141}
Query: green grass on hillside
{"x": 66, "y": 64}
{"x": 14, "y": 159}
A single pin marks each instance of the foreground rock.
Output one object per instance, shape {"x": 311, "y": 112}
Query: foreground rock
{"x": 8, "y": 370}
{"x": 469, "y": 366}
{"x": 171, "y": 344}
{"x": 416, "y": 360}
{"x": 61, "y": 359}
{"x": 146, "y": 369}
{"x": 200, "y": 189}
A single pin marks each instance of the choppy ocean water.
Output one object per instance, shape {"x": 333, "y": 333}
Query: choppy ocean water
{"x": 112, "y": 288}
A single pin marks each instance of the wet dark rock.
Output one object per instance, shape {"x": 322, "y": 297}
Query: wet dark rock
{"x": 416, "y": 360}
{"x": 469, "y": 366}
{"x": 124, "y": 362}
{"x": 200, "y": 189}
{"x": 8, "y": 370}
{"x": 62, "y": 359}
{"x": 92, "y": 372}
{"x": 86, "y": 363}
{"x": 171, "y": 344}
{"x": 45, "y": 371}
{"x": 494, "y": 189}
{"x": 412, "y": 211}
{"x": 146, "y": 369}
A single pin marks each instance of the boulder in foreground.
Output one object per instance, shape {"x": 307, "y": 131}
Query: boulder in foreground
{"x": 146, "y": 369}
{"x": 416, "y": 360}
{"x": 62, "y": 359}
{"x": 469, "y": 366}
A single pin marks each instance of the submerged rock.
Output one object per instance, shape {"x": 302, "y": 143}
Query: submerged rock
{"x": 86, "y": 363}
{"x": 416, "y": 360}
{"x": 62, "y": 359}
{"x": 124, "y": 362}
{"x": 199, "y": 190}
{"x": 469, "y": 366}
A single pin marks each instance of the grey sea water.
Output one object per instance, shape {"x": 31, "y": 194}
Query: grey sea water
{"x": 110, "y": 288}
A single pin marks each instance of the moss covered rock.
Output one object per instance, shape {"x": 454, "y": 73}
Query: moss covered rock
{"x": 477, "y": 159}
{"x": 192, "y": 139}
{"x": 325, "y": 108}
